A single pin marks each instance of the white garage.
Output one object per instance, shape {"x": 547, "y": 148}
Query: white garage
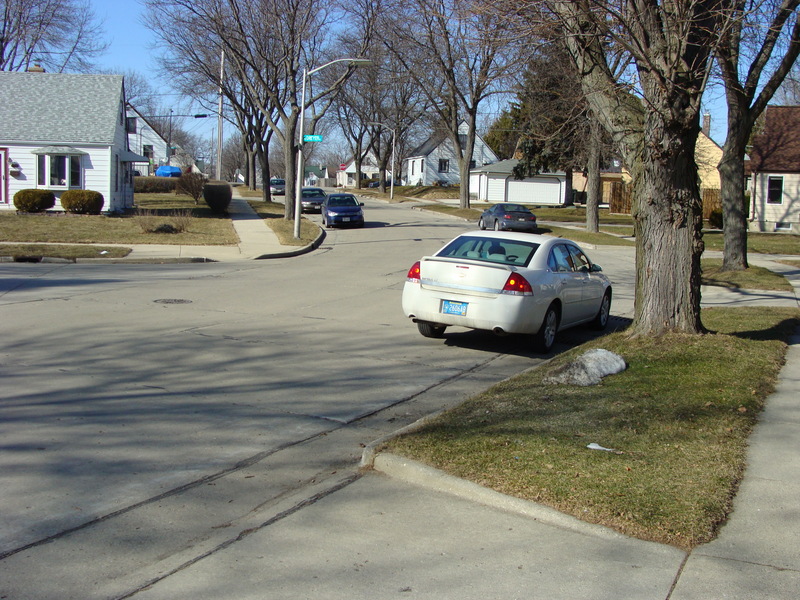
{"x": 495, "y": 183}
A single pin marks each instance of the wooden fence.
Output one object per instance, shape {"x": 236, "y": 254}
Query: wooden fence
{"x": 620, "y": 197}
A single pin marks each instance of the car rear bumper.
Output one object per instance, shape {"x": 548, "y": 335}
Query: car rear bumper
{"x": 518, "y": 226}
{"x": 500, "y": 313}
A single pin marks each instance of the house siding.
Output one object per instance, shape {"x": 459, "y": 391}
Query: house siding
{"x": 93, "y": 166}
{"x": 423, "y": 169}
{"x": 766, "y": 216}
{"x": 146, "y": 136}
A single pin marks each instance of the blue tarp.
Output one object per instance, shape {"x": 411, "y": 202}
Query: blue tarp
{"x": 167, "y": 171}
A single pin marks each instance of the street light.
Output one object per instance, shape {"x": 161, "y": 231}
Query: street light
{"x": 394, "y": 134}
{"x": 355, "y": 62}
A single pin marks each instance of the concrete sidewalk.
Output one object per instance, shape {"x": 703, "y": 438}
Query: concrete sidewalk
{"x": 256, "y": 240}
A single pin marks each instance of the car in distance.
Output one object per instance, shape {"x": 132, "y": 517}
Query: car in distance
{"x": 342, "y": 209}
{"x": 508, "y": 283}
{"x": 311, "y": 199}
{"x": 277, "y": 187}
{"x": 508, "y": 217}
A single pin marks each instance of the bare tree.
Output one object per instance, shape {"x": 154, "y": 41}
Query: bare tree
{"x": 458, "y": 57}
{"x": 652, "y": 113}
{"x": 268, "y": 44}
{"x": 59, "y": 35}
{"x": 763, "y": 42}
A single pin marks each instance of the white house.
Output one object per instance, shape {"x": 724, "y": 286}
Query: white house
{"x": 435, "y": 160}
{"x": 496, "y": 183}
{"x": 62, "y": 131}
{"x": 774, "y": 168}
{"x": 144, "y": 140}
{"x": 346, "y": 176}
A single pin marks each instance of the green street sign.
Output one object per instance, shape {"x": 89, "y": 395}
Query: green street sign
{"x": 312, "y": 138}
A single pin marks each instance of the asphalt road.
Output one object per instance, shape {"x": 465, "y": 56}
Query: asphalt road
{"x": 151, "y": 414}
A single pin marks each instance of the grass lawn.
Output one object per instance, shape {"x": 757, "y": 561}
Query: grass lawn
{"x": 23, "y": 251}
{"x": 273, "y": 213}
{"x": 205, "y": 228}
{"x": 762, "y": 243}
{"x": 754, "y": 278}
{"x": 678, "y": 417}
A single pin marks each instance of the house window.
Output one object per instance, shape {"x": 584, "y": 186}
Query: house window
{"x": 472, "y": 164}
{"x": 130, "y": 124}
{"x": 462, "y": 140}
{"x": 147, "y": 151}
{"x": 412, "y": 167}
{"x": 783, "y": 226}
{"x": 775, "y": 190}
{"x": 444, "y": 165}
{"x": 59, "y": 171}
{"x": 421, "y": 165}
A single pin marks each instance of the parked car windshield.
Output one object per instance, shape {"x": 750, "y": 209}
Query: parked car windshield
{"x": 342, "y": 201}
{"x": 312, "y": 193}
{"x": 495, "y": 250}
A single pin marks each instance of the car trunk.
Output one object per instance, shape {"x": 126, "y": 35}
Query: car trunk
{"x": 470, "y": 276}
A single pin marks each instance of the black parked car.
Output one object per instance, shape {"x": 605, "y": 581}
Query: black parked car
{"x": 508, "y": 217}
{"x": 311, "y": 199}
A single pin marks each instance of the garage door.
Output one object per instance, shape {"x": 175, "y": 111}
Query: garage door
{"x": 541, "y": 190}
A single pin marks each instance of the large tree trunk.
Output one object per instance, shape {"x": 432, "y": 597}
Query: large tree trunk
{"x": 734, "y": 212}
{"x": 668, "y": 226}
{"x": 594, "y": 188}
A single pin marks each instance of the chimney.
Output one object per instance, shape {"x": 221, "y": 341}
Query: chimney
{"x": 707, "y": 124}
{"x": 36, "y": 68}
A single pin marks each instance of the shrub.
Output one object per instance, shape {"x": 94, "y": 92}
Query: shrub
{"x": 192, "y": 185}
{"x": 152, "y": 222}
{"x": 154, "y": 185}
{"x": 82, "y": 202}
{"x": 34, "y": 200}
{"x": 218, "y": 196}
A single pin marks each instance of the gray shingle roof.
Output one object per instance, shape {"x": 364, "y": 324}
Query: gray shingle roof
{"x": 59, "y": 108}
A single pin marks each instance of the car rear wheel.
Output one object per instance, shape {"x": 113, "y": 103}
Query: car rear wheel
{"x": 601, "y": 319}
{"x": 546, "y": 336}
{"x": 430, "y": 330}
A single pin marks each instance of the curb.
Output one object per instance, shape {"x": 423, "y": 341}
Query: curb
{"x": 303, "y": 250}
{"x": 413, "y": 472}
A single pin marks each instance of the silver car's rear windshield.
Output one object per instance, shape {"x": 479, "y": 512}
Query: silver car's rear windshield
{"x": 507, "y": 252}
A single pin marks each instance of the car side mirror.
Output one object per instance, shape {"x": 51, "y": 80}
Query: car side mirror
{"x": 596, "y": 269}
{"x": 361, "y": 204}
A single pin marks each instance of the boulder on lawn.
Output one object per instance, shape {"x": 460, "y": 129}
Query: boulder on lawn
{"x": 588, "y": 369}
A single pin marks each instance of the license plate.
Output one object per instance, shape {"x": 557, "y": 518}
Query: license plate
{"x": 346, "y": 219}
{"x": 454, "y": 308}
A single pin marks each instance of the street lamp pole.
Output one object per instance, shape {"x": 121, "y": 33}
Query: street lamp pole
{"x": 299, "y": 184}
{"x": 394, "y": 139}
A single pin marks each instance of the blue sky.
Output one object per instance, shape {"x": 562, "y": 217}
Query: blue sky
{"x": 131, "y": 44}
{"x": 128, "y": 37}
{"x": 131, "y": 49}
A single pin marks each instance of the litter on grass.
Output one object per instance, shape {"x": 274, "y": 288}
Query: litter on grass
{"x": 594, "y": 446}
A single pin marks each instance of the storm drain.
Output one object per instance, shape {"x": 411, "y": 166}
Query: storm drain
{"x": 173, "y": 301}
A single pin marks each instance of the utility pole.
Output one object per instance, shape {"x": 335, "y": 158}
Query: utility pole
{"x": 219, "y": 116}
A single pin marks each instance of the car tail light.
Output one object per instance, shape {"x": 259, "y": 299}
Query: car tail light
{"x": 517, "y": 285}
{"x": 413, "y": 273}
{"x": 507, "y": 217}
